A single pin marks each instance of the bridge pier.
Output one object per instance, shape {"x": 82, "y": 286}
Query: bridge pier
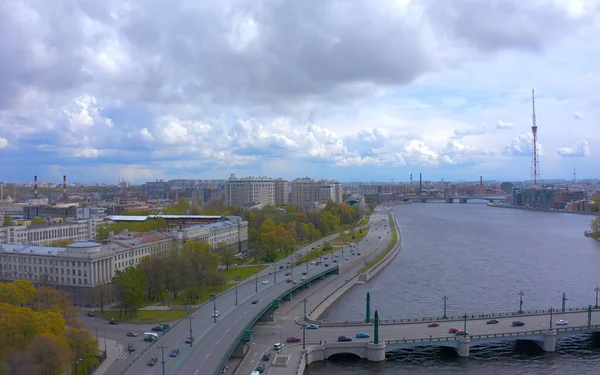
{"x": 463, "y": 347}
{"x": 241, "y": 350}
{"x": 376, "y": 352}
{"x": 549, "y": 343}
{"x": 449, "y": 200}
{"x": 463, "y": 200}
{"x": 268, "y": 316}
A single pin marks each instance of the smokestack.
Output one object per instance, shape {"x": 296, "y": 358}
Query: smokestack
{"x": 35, "y": 193}
{"x": 420, "y": 183}
{"x": 411, "y": 178}
{"x": 65, "y": 187}
{"x": 1, "y": 191}
{"x": 480, "y": 180}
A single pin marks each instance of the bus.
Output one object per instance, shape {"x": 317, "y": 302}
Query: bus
{"x": 150, "y": 336}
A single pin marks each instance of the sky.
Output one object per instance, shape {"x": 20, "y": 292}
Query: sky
{"x": 361, "y": 90}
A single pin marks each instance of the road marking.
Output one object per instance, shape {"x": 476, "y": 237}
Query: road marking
{"x": 196, "y": 371}
{"x": 246, "y": 313}
{"x": 227, "y": 330}
{"x": 237, "y": 320}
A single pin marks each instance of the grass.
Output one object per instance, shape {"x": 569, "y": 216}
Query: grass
{"x": 347, "y": 237}
{"x": 244, "y": 272}
{"x": 146, "y": 316}
{"x": 389, "y": 248}
{"x": 203, "y": 296}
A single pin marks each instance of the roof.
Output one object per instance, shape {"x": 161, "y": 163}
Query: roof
{"x": 83, "y": 244}
{"x": 127, "y": 218}
{"x": 188, "y": 216}
{"x": 136, "y": 218}
{"x": 28, "y": 249}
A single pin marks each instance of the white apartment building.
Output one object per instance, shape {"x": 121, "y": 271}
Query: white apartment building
{"x": 262, "y": 190}
{"x": 231, "y": 231}
{"x": 81, "y": 266}
{"x": 44, "y": 234}
{"x": 306, "y": 190}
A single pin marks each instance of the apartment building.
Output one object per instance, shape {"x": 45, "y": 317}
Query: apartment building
{"x": 232, "y": 231}
{"x": 306, "y": 190}
{"x": 44, "y": 234}
{"x": 255, "y": 190}
{"x": 80, "y": 267}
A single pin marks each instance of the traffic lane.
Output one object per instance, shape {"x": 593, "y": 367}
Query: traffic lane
{"x": 259, "y": 347}
{"x": 474, "y": 327}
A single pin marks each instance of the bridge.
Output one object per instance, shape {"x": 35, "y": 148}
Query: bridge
{"x": 463, "y": 199}
{"x": 386, "y": 336}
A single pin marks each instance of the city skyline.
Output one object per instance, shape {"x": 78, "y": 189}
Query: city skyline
{"x": 355, "y": 92}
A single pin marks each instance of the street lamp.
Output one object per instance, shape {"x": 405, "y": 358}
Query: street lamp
{"x": 274, "y": 273}
{"x": 596, "y": 290}
{"x": 256, "y": 282}
{"x": 237, "y": 281}
{"x": 213, "y": 297}
{"x": 304, "y": 328}
{"x": 521, "y": 294}
{"x": 191, "y": 333}
{"x": 162, "y": 351}
{"x": 445, "y": 299}
{"x": 551, "y": 318}
{"x": 465, "y": 327}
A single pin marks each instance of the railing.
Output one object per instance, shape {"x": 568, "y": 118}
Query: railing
{"x": 301, "y": 363}
{"x": 491, "y": 335}
{"x": 330, "y": 294}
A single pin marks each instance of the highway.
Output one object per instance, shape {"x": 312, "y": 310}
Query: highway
{"x": 285, "y": 325}
{"x": 215, "y": 339}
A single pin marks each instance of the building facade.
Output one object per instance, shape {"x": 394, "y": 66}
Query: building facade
{"x": 44, "y": 234}
{"x": 261, "y": 190}
{"x": 231, "y": 231}
{"x": 80, "y": 267}
{"x": 306, "y": 190}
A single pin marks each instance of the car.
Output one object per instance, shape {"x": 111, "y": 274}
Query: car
{"x": 295, "y": 281}
{"x": 113, "y": 321}
{"x": 518, "y": 323}
{"x": 561, "y": 322}
{"x": 493, "y": 321}
{"x": 266, "y": 357}
{"x": 453, "y": 330}
{"x": 312, "y": 326}
{"x": 462, "y": 333}
{"x": 289, "y": 280}
{"x": 265, "y": 281}
{"x": 152, "y": 361}
{"x": 326, "y": 264}
{"x": 287, "y": 274}
{"x": 255, "y": 373}
{"x": 130, "y": 347}
{"x": 281, "y": 267}
{"x": 344, "y": 339}
{"x": 303, "y": 278}
{"x": 434, "y": 324}
{"x": 174, "y": 352}
{"x": 216, "y": 313}
{"x": 260, "y": 368}
{"x": 362, "y": 335}
{"x": 131, "y": 334}
{"x": 294, "y": 339}
{"x": 91, "y": 313}
{"x": 157, "y": 329}
{"x": 289, "y": 262}
{"x": 189, "y": 340}
{"x": 254, "y": 301}
{"x": 305, "y": 273}
{"x": 277, "y": 346}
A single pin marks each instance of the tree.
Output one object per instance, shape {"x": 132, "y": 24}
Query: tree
{"x": 8, "y": 221}
{"x": 100, "y": 294}
{"x": 129, "y": 287}
{"x": 60, "y": 243}
{"x": 38, "y": 220}
{"x": 595, "y": 226}
{"x": 50, "y": 353}
{"x": 226, "y": 252}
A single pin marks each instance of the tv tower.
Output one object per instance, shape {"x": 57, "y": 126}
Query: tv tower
{"x": 535, "y": 163}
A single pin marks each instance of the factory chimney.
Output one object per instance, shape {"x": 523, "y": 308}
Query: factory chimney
{"x": 35, "y": 193}
{"x": 411, "y": 178}
{"x": 420, "y": 183}
{"x": 480, "y": 180}
{"x": 65, "y": 187}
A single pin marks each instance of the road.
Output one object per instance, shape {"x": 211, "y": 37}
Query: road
{"x": 216, "y": 338}
{"x": 285, "y": 325}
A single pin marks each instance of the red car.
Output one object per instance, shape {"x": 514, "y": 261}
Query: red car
{"x": 91, "y": 313}
{"x": 453, "y": 330}
{"x": 294, "y": 339}
{"x": 434, "y": 324}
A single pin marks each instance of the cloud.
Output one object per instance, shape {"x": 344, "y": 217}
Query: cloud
{"x": 3, "y": 142}
{"x": 581, "y": 149}
{"x": 522, "y": 146}
{"x": 578, "y": 115}
{"x": 504, "y": 125}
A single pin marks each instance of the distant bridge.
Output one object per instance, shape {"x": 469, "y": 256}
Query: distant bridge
{"x": 463, "y": 199}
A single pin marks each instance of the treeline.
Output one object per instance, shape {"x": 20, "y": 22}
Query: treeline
{"x": 595, "y": 227}
{"x": 194, "y": 267}
{"x": 40, "y": 333}
{"x": 273, "y": 228}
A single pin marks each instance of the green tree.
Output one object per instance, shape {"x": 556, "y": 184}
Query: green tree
{"x": 8, "y": 221}
{"x": 129, "y": 287}
{"x": 595, "y": 226}
{"x": 38, "y": 220}
{"x": 227, "y": 253}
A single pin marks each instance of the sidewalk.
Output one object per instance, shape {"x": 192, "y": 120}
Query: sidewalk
{"x": 113, "y": 350}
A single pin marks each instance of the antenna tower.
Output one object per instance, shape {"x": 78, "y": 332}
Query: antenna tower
{"x": 535, "y": 163}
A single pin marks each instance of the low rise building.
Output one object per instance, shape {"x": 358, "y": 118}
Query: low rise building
{"x": 44, "y": 234}
{"x": 231, "y": 231}
{"x": 79, "y": 267}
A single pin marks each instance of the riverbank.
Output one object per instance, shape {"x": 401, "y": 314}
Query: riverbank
{"x": 490, "y": 204}
{"x": 590, "y": 235}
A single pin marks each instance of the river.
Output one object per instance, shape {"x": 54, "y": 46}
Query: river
{"x": 480, "y": 258}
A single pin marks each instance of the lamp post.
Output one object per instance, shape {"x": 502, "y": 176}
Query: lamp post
{"x": 551, "y": 318}
{"x": 304, "y": 328}
{"x": 213, "y": 297}
{"x": 162, "y": 351}
{"x": 237, "y": 278}
{"x": 465, "y": 326}
{"x": 274, "y": 273}
{"x": 191, "y": 332}
{"x": 521, "y": 294}
{"x": 256, "y": 282}
{"x": 596, "y": 290}
{"x": 105, "y": 351}
{"x": 445, "y": 299}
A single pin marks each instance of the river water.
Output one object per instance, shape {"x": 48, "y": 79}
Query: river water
{"x": 480, "y": 258}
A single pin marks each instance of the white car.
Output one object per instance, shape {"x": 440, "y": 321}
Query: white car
{"x": 265, "y": 281}
{"x": 215, "y": 314}
{"x": 561, "y": 322}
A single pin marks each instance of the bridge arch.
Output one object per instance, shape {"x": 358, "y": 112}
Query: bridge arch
{"x": 344, "y": 357}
